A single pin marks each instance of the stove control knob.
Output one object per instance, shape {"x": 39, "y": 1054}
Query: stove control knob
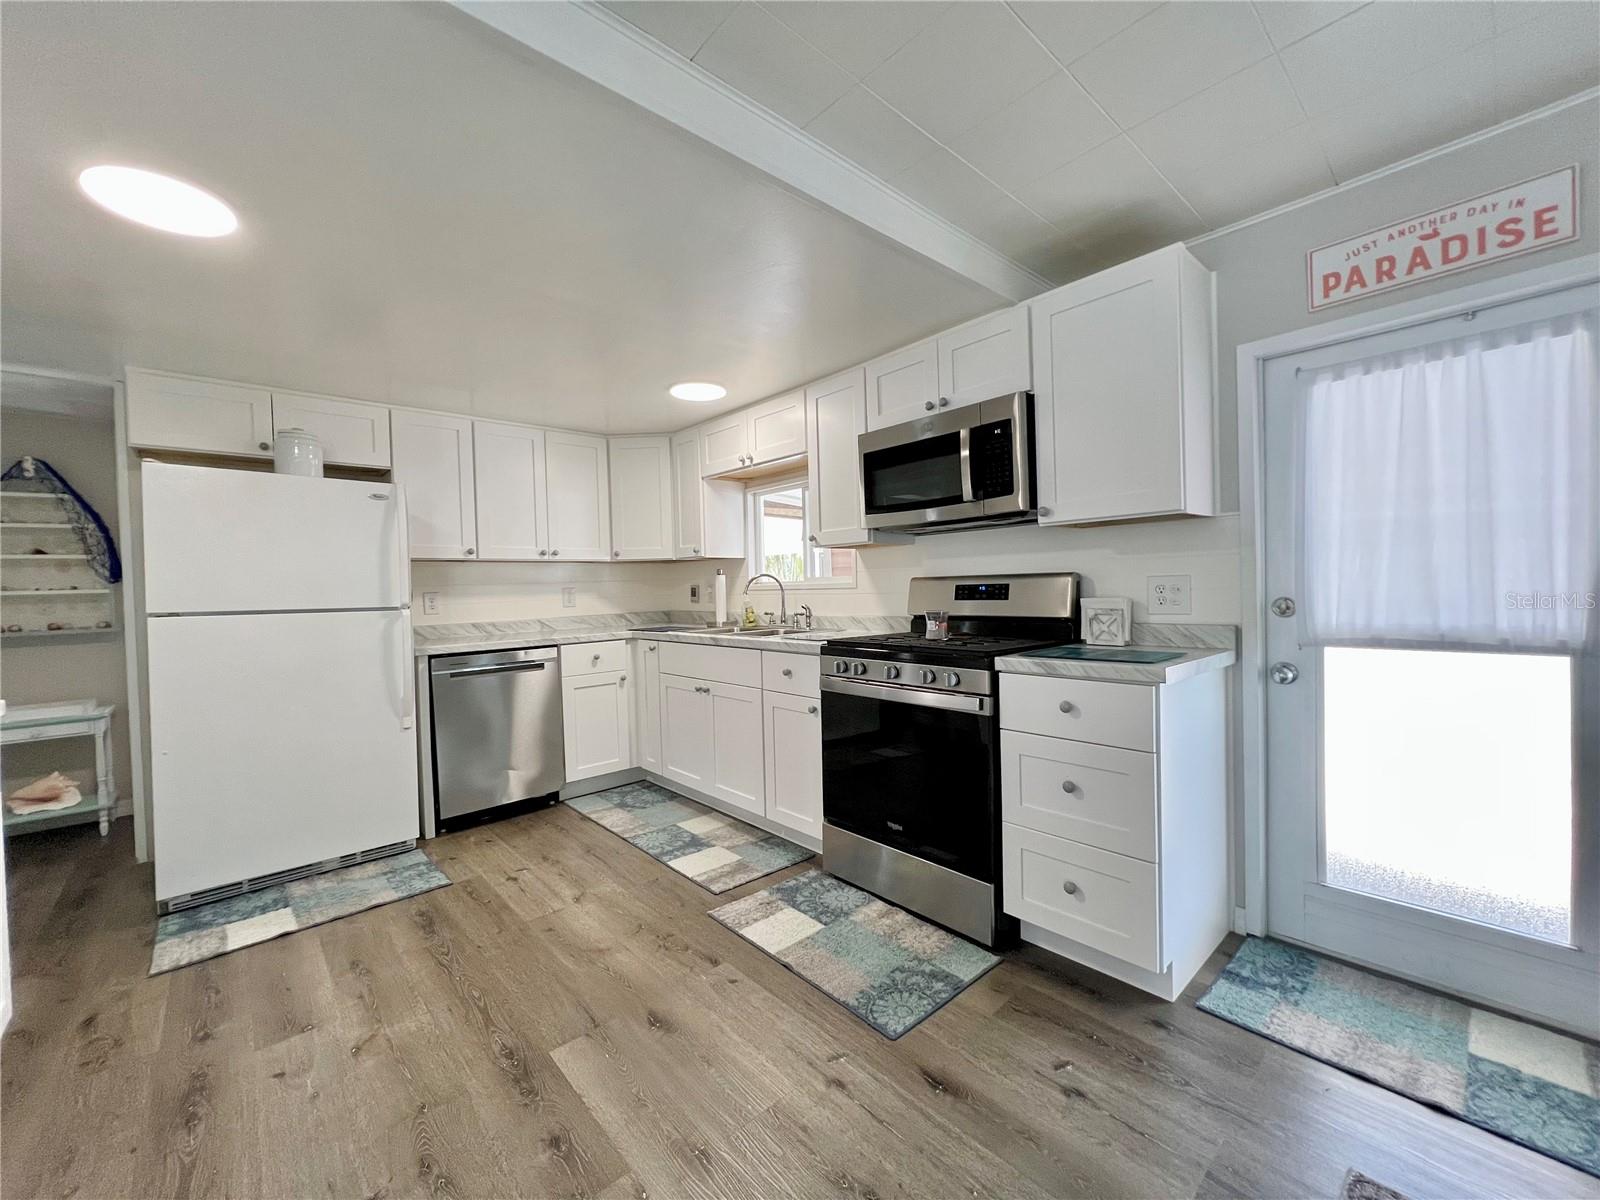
{"x": 951, "y": 679}
{"x": 840, "y": 667}
{"x": 859, "y": 669}
{"x": 926, "y": 676}
{"x": 891, "y": 672}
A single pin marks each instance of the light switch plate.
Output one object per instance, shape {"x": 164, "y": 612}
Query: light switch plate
{"x": 569, "y": 597}
{"x": 430, "y": 604}
{"x": 1169, "y": 595}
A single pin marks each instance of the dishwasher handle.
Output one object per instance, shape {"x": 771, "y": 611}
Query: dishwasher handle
{"x": 495, "y": 669}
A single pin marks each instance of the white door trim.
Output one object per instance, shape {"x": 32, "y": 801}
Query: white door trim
{"x": 1251, "y": 358}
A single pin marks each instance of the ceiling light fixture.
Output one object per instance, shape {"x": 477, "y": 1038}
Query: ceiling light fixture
{"x": 158, "y": 201}
{"x": 700, "y": 393}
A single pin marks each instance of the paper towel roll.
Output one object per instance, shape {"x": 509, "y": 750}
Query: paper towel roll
{"x": 719, "y": 592}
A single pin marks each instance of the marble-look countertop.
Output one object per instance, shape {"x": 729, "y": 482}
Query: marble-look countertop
{"x": 473, "y": 637}
{"x": 1205, "y": 647}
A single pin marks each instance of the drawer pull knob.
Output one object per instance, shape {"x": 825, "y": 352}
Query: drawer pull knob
{"x": 812, "y": 710}
{"x": 1065, "y": 706}
{"x": 787, "y": 673}
{"x": 1070, "y": 888}
{"x": 1068, "y": 786}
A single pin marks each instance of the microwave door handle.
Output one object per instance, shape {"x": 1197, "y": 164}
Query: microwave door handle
{"x": 966, "y": 464}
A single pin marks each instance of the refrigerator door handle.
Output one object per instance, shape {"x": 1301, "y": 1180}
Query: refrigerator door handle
{"x": 408, "y": 671}
{"x": 403, "y": 518}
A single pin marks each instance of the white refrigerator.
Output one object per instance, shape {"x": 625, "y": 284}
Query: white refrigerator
{"x": 281, "y": 681}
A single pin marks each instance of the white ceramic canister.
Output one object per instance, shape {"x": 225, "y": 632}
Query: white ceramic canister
{"x": 296, "y": 452}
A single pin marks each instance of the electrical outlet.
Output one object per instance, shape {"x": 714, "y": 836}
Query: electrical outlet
{"x": 569, "y": 597}
{"x": 430, "y": 604}
{"x": 694, "y": 593}
{"x": 1169, "y": 595}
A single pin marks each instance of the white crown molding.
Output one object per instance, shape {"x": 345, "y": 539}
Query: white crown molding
{"x": 1405, "y": 164}
{"x": 607, "y": 50}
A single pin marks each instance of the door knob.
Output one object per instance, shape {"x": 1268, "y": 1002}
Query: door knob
{"x": 1283, "y": 672}
{"x": 1283, "y": 606}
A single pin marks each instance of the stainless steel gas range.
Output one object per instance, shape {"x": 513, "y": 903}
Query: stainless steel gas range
{"x": 911, "y": 745}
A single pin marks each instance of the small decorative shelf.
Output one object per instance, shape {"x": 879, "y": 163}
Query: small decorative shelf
{"x": 58, "y": 563}
{"x": 65, "y": 719}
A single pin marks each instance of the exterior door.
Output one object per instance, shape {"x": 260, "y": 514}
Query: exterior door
{"x": 1431, "y": 794}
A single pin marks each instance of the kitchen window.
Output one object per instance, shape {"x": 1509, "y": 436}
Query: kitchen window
{"x": 780, "y": 540}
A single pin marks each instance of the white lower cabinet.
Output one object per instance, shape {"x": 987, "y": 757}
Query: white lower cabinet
{"x": 647, "y": 705}
{"x": 738, "y": 762}
{"x": 794, "y": 761}
{"x": 597, "y": 712}
{"x": 1113, "y": 800}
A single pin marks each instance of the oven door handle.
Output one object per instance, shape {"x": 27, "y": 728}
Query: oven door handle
{"x": 966, "y": 464}
{"x": 979, "y": 705}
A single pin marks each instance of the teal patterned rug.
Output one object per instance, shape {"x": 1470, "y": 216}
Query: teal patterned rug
{"x": 886, "y": 966}
{"x": 196, "y": 934}
{"x": 716, "y": 851}
{"x": 1513, "y": 1078}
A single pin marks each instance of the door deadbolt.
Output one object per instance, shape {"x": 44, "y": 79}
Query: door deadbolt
{"x": 1283, "y": 672}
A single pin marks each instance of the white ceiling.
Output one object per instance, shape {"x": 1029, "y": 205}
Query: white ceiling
{"x": 430, "y": 215}
{"x": 1070, "y": 135}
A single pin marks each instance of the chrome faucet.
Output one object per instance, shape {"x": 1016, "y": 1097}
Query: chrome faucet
{"x": 783, "y": 599}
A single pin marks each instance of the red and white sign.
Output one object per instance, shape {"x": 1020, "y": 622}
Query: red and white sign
{"x": 1525, "y": 216}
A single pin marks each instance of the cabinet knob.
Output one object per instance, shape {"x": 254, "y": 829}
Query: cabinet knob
{"x": 543, "y": 553}
{"x": 1043, "y": 511}
{"x": 623, "y": 679}
{"x": 813, "y": 539}
{"x": 1069, "y": 888}
{"x": 594, "y": 658}
{"x": 812, "y": 709}
{"x": 928, "y": 404}
{"x": 944, "y": 401}
{"x": 616, "y": 554}
{"x": 1068, "y": 786}
{"x": 263, "y": 446}
{"x": 652, "y": 649}
{"x": 697, "y": 549}
{"x": 787, "y": 673}
{"x": 555, "y": 553}
{"x": 469, "y": 552}
{"x": 1065, "y": 706}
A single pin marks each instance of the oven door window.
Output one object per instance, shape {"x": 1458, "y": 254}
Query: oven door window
{"x": 921, "y": 474}
{"x": 918, "y": 779}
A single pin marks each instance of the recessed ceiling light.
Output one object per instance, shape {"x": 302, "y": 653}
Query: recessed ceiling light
{"x": 158, "y": 201}
{"x": 698, "y": 392}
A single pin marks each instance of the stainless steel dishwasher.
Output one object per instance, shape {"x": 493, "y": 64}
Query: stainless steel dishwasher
{"x": 497, "y": 736}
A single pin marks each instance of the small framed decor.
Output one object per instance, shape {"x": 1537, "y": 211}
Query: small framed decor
{"x": 1107, "y": 620}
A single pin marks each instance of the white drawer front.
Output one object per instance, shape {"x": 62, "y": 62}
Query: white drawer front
{"x": 1107, "y": 901}
{"x": 1112, "y": 714}
{"x": 796, "y": 674}
{"x": 1098, "y": 795}
{"x": 718, "y": 664}
{"x": 591, "y": 658}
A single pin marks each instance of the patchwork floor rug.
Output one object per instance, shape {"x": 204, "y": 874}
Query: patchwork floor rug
{"x": 888, "y": 967}
{"x": 1357, "y": 1186}
{"x": 1516, "y": 1079}
{"x": 718, "y": 852}
{"x": 196, "y": 934}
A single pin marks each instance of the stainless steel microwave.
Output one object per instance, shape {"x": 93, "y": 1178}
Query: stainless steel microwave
{"x": 964, "y": 467}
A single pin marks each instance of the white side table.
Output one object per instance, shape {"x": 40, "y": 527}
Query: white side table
{"x": 63, "y": 719}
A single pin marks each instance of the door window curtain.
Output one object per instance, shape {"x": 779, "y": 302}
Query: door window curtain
{"x": 1451, "y": 494}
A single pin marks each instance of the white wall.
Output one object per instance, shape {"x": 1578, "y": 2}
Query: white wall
{"x": 84, "y": 452}
{"x": 486, "y": 591}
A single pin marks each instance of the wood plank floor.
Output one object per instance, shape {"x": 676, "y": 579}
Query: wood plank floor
{"x": 566, "y": 1021}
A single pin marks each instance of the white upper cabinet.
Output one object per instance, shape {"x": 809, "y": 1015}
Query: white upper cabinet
{"x": 352, "y": 432}
{"x": 836, "y": 415}
{"x": 776, "y": 428}
{"x": 433, "y": 462}
{"x": 641, "y": 498}
{"x": 577, "y": 495}
{"x": 707, "y": 514}
{"x": 724, "y": 444}
{"x": 171, "y": 412}
{"x": 903, "y": 385}
{"x": 1122, "y": 380}
{"x": 985, "y": 358}
{"x": 510, "y": 491}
